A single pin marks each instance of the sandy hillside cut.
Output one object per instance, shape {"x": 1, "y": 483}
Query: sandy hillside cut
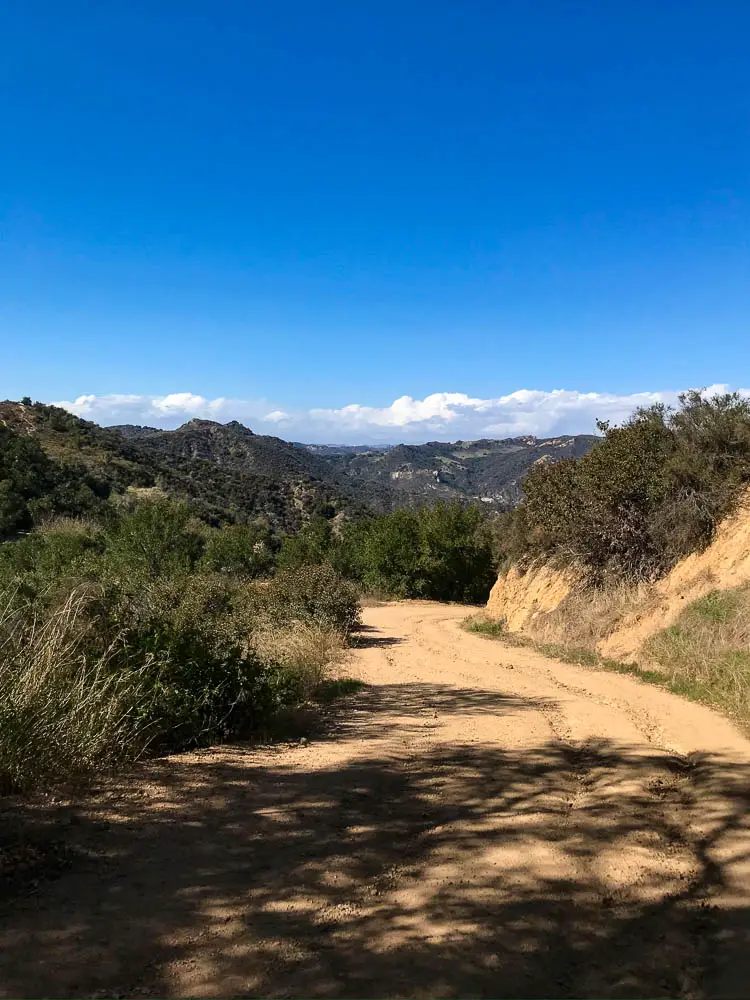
{"x": 521, "y": 597}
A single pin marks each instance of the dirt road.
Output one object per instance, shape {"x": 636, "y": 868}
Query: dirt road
{"x": 479, "y": 821}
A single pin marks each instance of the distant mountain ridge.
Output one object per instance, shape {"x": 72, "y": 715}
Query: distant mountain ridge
{"x": 488, "y": 471}
{"x": 229, "y": 472}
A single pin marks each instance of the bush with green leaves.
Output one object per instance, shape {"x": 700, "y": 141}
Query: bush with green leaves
{"x": 190, "y": 635}
{"x": 52, "y": 560}
{"x": 442, "y": 553}
{"x": 311, "y": 545}
{"x": 315, "y": 594}
{"x": 650, "y": 492}
{"x": 151, "y": 538}
{"x": 240, "y": 550}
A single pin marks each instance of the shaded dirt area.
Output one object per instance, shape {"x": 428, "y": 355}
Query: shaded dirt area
{"x": 477, "y": 821}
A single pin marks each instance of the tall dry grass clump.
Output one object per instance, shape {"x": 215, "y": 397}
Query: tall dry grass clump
{"x": 306, "y": 653}
{"x": 62, "y": 715}
{"x": 587, "y": 616}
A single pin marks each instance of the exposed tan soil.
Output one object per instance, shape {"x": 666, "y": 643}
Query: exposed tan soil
{"x": 479, "y": 821}
{"x": 519, "y": 596}
{"x": 522, "y": 598}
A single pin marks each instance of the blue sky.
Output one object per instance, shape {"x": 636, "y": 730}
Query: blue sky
{"x": 263, "y": 210}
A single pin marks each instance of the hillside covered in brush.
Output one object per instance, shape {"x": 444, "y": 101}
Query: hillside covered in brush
{"x": 54, "y": 462}
{"x": 485, "y": 471}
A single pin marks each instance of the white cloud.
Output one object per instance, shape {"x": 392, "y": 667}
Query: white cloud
{"x": 163, "y": 411}
{"x": 446, "y": 416}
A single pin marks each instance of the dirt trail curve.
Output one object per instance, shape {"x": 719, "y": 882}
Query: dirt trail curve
{"x": 480, "y": 822}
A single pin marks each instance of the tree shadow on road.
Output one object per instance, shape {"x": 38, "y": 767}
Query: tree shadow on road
{"x": 369, "y": 637}
{"x": 459, "y": 871}
{"x": 409, "y": 710}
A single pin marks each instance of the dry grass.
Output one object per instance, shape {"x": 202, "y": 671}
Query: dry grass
{"x": 586, "y": 617}
{"x": 707, "y": 650}
{"x": 64, "y": 525}
{"x": 705, "y": 655}
{"x": 373, "y": 599}
{"x": 61, "y": 715}
{"x": 580, "y": 622}
{"x": 305, "y": 651}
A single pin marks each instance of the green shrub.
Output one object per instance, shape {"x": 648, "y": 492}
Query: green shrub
{"x": 650, "y": 492}
{"x": 316, "y": 594}
{"x": 152, "y": 538}
{"x": 311, "y": 545}
{"x": 51, "y": 561}
{"x": 385, "y": 554}
{"x": 238, "y": 550}
{"x": 194, "y": 637}
{"x": 441, "y": 553}
{"x": 483, "y": 625}
{"x": 456, "y": 555}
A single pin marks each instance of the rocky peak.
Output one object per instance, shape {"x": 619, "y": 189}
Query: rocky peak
{"x": 199, "y": 424}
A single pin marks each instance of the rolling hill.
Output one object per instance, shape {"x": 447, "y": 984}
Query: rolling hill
{"x": 226, "y": 471}
{"x": 486, "y": 471}
{"x": 230, "y": 473}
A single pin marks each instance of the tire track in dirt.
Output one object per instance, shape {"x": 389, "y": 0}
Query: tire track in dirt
{"x": 675, "y": 841}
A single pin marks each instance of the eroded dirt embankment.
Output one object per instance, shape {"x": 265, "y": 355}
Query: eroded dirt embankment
{"x": 519, "y": 596}
{"x": 478, "y": 821}
{"x": 523, "y": 598}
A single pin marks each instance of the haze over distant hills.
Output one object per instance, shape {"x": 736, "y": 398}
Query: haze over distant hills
{"x": 231, "y": 473}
